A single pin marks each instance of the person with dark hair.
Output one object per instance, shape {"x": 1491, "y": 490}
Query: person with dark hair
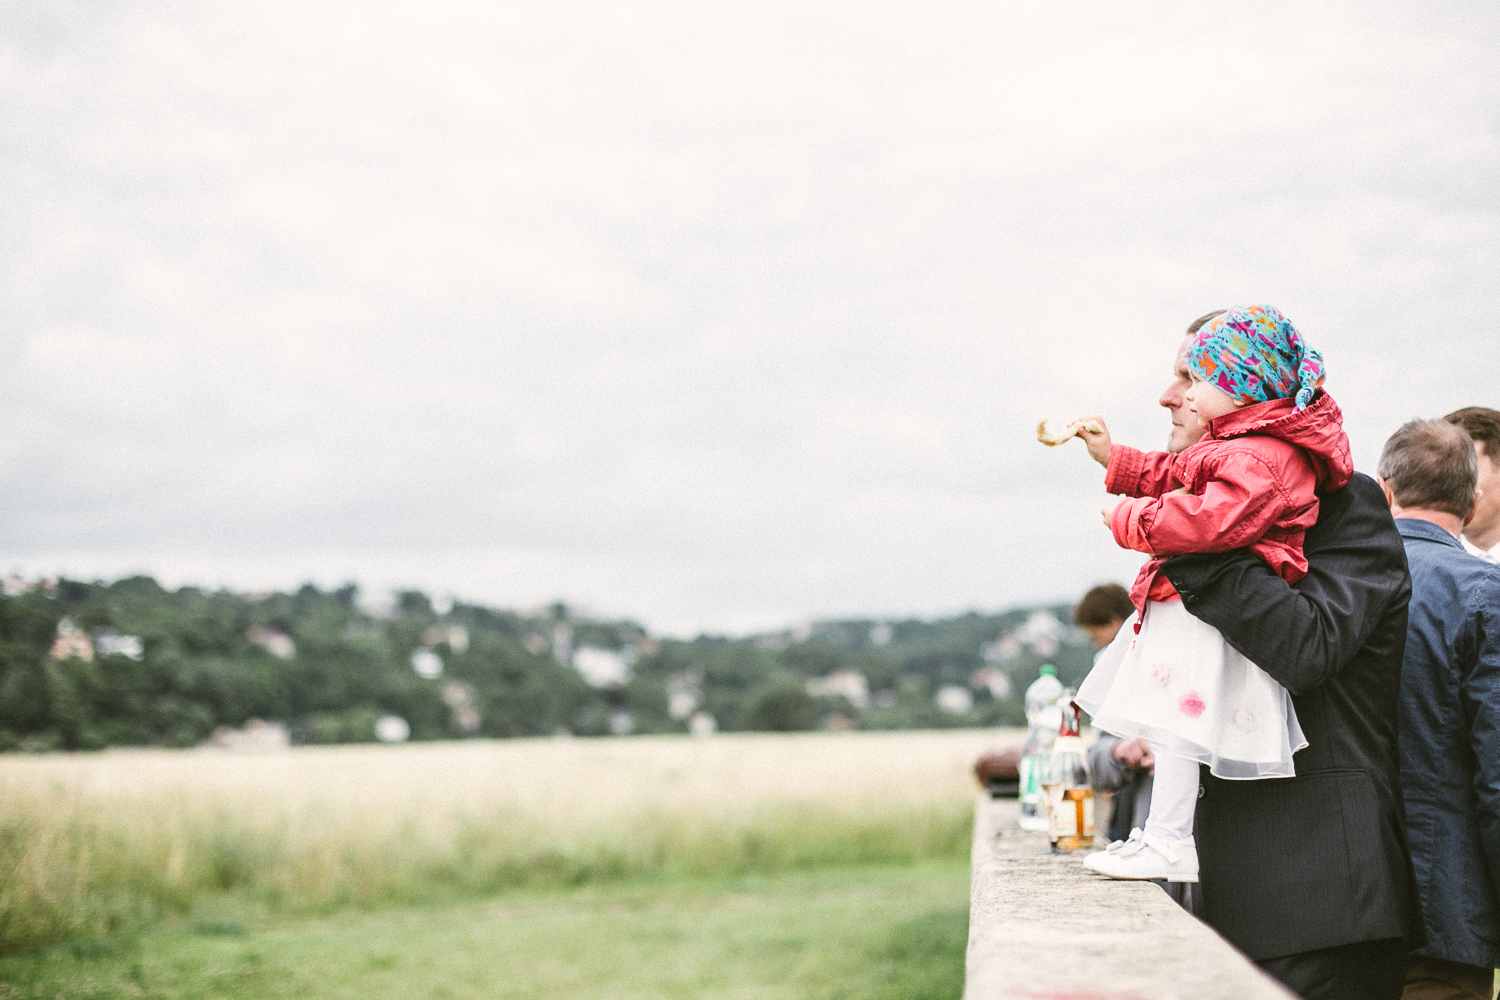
{"x": 1122, "y": 768}
{"x": 1450, "y": 712}
{"x": 1482, "y": 535}
{"x": 1102, "y": 611}
{"x": 1310, "y": 876}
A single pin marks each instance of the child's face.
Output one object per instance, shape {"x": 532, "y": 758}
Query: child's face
{"x": 1209, "y": 401}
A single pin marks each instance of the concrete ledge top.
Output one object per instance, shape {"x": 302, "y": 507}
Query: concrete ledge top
{"x": 1042, "y": 926}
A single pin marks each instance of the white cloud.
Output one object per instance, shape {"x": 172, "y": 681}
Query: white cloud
{"x": 709, "y": 316}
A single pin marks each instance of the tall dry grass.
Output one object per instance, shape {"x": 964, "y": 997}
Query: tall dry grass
{"x": 97, "y": 842}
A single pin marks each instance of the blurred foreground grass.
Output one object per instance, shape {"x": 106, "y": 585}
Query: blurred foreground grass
{"x": 98, "y": 845}
{"x": 884, "y": 933}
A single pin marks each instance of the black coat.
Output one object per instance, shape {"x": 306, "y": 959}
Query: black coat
{"x": 1295, "y": 864}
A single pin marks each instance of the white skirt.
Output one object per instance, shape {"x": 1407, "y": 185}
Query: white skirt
{"x": 1178, "y": 684}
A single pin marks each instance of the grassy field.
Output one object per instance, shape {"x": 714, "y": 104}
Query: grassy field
{"x": 884, "y": 933}
{"x": 100, "y": 847}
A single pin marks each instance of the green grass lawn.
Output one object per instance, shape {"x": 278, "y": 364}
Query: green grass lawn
{"x": 881, "y": 933}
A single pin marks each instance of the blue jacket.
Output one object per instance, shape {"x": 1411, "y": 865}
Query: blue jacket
{"x": 1449, "y": 734}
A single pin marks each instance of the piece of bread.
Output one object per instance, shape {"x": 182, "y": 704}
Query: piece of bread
{"x": 1051, "y": 437}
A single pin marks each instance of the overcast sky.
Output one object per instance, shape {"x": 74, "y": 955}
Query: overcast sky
{"x": 718, "y": 316}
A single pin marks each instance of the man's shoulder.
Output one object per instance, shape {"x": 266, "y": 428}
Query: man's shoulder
{"x": 1481, "y": 578}
{"x": 1355, "y": 514}
{"x": 1448, "y": 581}
{"x": 1361, "y": 493}
{"x": 1438, "y": 551}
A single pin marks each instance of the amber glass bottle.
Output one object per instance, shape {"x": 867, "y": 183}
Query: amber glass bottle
{"x": 1068, "y": 791}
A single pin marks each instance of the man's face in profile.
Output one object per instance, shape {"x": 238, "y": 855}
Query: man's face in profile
{"x": 1103, "y": 635}
{"x": 1186, "y": 427}
{"x": 1484, "y": 528}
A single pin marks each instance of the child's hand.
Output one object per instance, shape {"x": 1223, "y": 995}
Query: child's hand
{"x": 1109, "y": 514}
{"x": 1098, "y": 440}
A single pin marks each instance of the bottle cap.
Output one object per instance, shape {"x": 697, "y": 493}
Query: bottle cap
{"x": 1047, "y": 668}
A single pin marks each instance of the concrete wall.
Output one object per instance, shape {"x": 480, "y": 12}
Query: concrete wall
{"x": 1043, "y": 926}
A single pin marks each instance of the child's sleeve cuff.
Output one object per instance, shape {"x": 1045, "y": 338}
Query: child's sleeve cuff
{"x": 1123, "y": 473}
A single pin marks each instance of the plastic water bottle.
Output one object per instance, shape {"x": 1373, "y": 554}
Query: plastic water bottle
{"x": 1068, "y": 790}
{"x": 1043, "y": 715}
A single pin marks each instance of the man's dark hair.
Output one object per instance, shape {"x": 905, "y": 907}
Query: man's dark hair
{"x": 1103, "y": 605}
{"x": 1431, "y": 464}
{"x": 1483, "y": 426}
{"x": 1197, "y": 324}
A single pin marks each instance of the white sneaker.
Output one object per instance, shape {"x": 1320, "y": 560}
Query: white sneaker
{"x": 1151, "y": 857}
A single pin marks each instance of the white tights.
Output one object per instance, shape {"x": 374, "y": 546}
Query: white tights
{"x": 1174, "y": 796}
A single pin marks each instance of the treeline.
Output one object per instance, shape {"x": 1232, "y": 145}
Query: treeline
{"x": 322, "y": 664}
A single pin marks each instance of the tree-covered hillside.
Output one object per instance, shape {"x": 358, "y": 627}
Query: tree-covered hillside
{"x": 88, "y": 665}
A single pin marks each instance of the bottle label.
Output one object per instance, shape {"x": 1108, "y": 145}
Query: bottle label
{"x": 1031, "y": 769}
{"x": 1070, "y": 815}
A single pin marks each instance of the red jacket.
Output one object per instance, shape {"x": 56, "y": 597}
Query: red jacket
{"x": 1252, "y": 481}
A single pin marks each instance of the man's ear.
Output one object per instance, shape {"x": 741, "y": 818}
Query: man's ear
{"x": 1475, "y": 509}
{"x": 1390, "y": 494}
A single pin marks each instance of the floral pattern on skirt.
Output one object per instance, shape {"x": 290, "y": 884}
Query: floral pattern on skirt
{"x": 1177, "y": 683}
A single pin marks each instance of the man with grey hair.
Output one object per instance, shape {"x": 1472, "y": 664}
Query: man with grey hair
{"x": 1449, "y": 728}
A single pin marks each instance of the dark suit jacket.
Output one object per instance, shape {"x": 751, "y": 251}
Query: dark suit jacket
{"x": 1295, "y": 864}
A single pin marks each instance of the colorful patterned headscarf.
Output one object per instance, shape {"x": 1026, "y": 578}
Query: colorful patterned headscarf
{"x": 1255, "y": 355}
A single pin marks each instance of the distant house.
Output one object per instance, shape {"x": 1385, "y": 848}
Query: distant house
{"x": 995, "y": 680}
{"x": 392, "y": 729}
{"x": 1004, "y": 648}
{"x": 427, "y": 664}
{"x": 684, "y": 694}
{"x": 456, "y": 694}
{"x": 681, "y": 703}
{"x": 881, "y": 633}
{"x": 562, "y": 643}
{"x": 15, "y": 585}
{"x": 466, "y": 719}
{"x": 273, "y": 641}
{"x": 255, "y": 734}
{"x": 71, "y": 642}
{"x": 381, "y": 606}
{"x": 108, "y": 642}
{"x": 621, "y": 722}
{"x": 838, "y": 722}
{"x": 850, "y": 685}
{"x": 459, "y": 697}
{"x": 456, "y": 637}
{"x": 602, "y": 668}
{"x": 954, "y": 700}
{"x": 1042, "y": 632}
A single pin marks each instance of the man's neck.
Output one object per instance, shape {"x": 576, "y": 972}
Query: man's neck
{"x": 1484, "y": 540}
{"x": 1451, "y": 523}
